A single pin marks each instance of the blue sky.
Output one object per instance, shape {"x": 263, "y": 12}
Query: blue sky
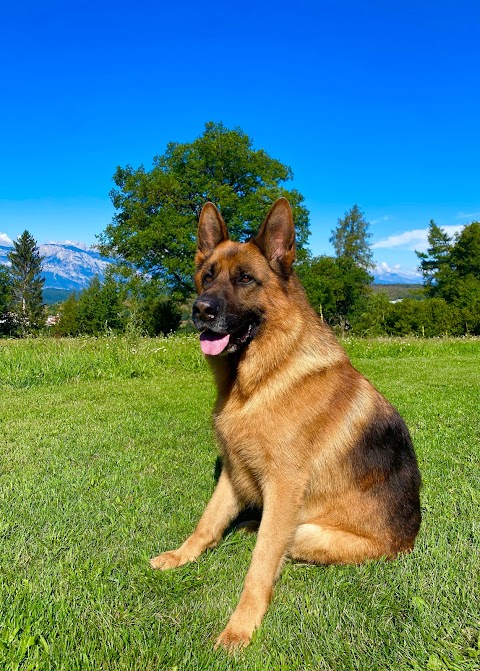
{"x": 375, "y": 103}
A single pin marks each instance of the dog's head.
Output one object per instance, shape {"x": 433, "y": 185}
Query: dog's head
{"x": 237, "y": 282}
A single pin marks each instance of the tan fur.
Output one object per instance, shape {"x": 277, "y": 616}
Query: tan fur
{"x": 290, "y": 411}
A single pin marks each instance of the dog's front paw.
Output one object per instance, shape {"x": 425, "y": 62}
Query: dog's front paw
{"x": 232, "y": 639}
{"x": 167, "y": 560}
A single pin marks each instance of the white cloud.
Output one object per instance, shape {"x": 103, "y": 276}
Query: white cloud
{"x": 409, "y": 239}
{"x": 383, "y": 268}
{"x": 380, "y": 219}
{"x": 417, "y": 239}
{"x": 5, "y": 240}
{"x": 471, "y": 216}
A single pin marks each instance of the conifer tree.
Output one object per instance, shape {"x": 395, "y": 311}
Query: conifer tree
{"x": 350, "y": 238}
{"x": 27, "y": 282}
{"x": 436, "y": 258}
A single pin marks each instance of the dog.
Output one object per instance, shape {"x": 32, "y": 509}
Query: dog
{"x": 302, "y": 434}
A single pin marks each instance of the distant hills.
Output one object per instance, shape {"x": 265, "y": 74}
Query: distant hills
{"x": 383, "y": 276}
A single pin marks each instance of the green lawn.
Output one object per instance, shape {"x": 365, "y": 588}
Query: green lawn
{"x": 107, "y": 457}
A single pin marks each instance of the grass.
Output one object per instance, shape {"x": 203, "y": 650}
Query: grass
{"x": 107, "y": 457}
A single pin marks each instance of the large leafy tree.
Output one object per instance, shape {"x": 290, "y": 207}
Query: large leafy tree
{"x": 157, "y": 211}
{"x": 322, "y": 281}
{"x": 451, "y": 269}
{"x": 465, "y": 254}
{"x": 336, "y": 287}
{"x": 371, "y": 319}
{"x": 356, "y": 289}
{"x": 459, "y": 281}
{"x": 27, "y": 282}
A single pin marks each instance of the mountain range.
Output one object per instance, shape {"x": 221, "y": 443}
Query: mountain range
{"x": 66, "y": 265}
{"x": 382, "y": 274}
{"x": 69, "y": 266}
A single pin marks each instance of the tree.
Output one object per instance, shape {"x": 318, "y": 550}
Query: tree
{"x": 347, "y": 279}
{"x": 159, "y": 316}
{"x": 469, "y": 305}
{"x": 336, "y": 288}
{"x": 27, "y": 282}
{"x": 99, "y": 308}
{"x": 459, "y": 283}
{"x": 7, "y": 321}
{"x": 371, "y": 321}
{"x": 451, "y": 267}
{"x": 435, "y": 259}
{"x": 427, "y": 318}
{"x": 464, "y": 256}
{"x": 5, "y": 290}
{"x": 154, "y": 228}
{"x": 323, "y": 284}
{"x": 350, "y": 238}
{"x": 148, "y": 308}
{"x": 68, "y": 322}
{"x": 356, "y": 289}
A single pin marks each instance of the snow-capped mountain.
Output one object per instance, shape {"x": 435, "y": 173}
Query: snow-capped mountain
{"x": 383, "y": 274}
{"x": 395, "y": 278}
{"x": 66, "y": 265}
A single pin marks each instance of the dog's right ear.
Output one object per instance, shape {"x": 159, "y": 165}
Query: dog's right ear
{"x": 212, "y": 230}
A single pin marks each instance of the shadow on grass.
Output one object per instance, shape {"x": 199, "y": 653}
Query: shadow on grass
{"x": 249, "y": 518}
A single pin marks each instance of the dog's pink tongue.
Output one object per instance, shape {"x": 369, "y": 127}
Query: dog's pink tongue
{"x": 213, "y": 343}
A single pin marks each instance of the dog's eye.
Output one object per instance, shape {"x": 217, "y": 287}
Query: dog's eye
{"x": 245, "y": 279}
{"x": 207, "y": 278}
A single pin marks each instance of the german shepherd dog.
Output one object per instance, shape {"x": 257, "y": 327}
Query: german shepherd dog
{"x": 302, "y": 434}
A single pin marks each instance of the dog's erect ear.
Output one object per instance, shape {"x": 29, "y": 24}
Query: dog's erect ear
{"x": 276, "y": 237}
{"x": 211, "y": 232}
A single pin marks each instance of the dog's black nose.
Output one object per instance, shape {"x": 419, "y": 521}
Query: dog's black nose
{"x": 205, "y": 309}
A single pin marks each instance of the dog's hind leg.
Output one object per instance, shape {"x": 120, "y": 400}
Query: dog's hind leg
{"x": 318, "y": 544}
{"x": 222, "y": 508}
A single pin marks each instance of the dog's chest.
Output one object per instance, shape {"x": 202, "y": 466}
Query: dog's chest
{"x": 244, "y": 426}
{"x": 250, "y": 444}
{"x": 242, "y": 434}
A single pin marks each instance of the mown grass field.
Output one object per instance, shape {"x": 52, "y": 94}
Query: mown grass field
{"x": 107, "y": 457}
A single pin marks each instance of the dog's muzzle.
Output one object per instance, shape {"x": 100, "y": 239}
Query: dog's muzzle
{"x": 208, "y": 312}
{"x": 205, "y": 310}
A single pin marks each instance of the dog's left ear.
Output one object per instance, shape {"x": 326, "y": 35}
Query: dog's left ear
{"x": 276, "y": 237}
{"x": 212, "y": 230}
